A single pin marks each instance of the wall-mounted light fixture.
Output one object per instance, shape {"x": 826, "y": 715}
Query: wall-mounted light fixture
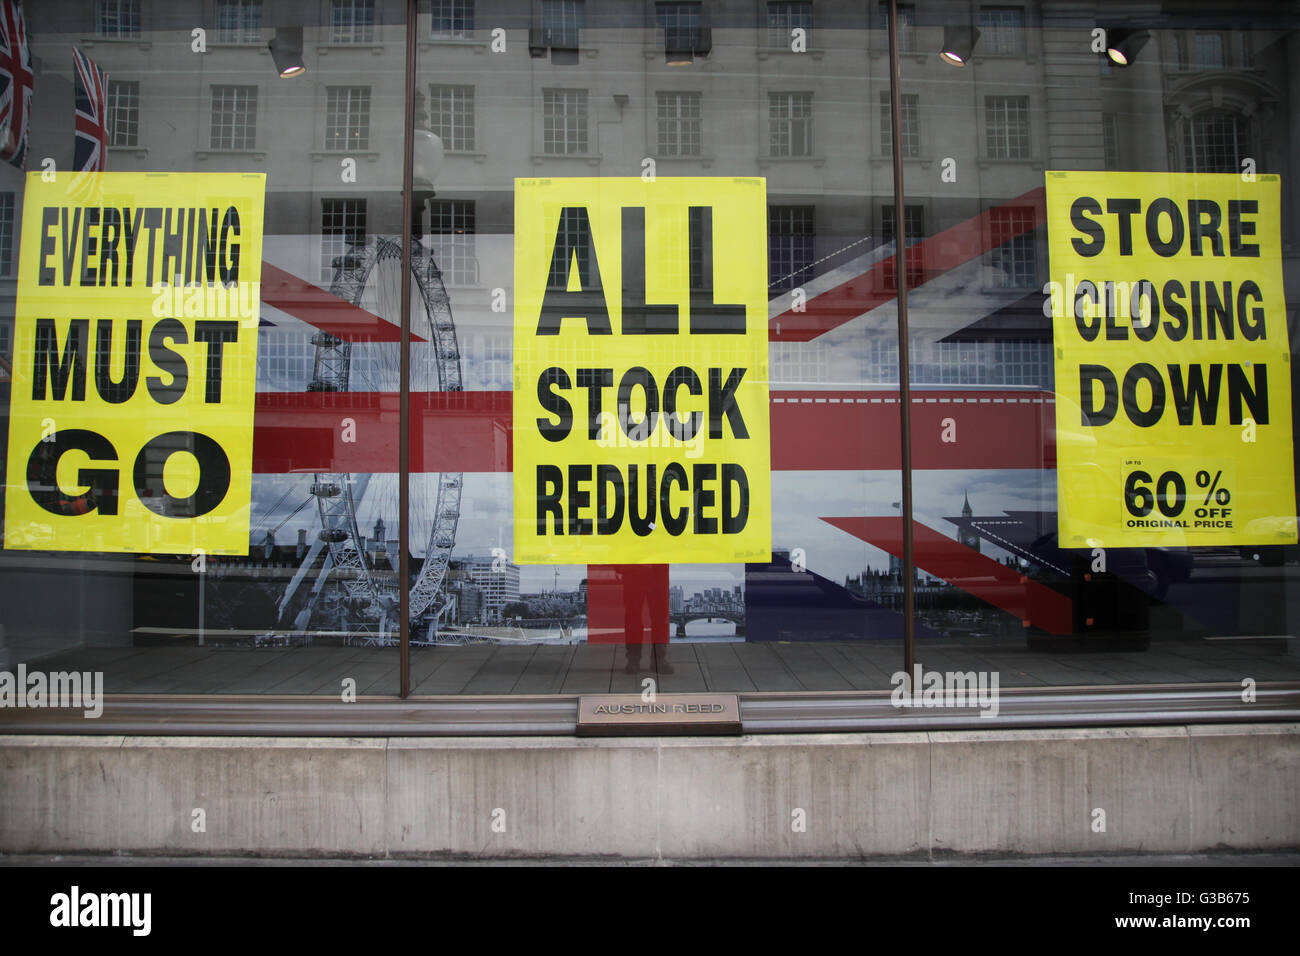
{"x": 958, "y": 43}
{"x": 1123, "y": 45}
{"x": 286, "y": 51}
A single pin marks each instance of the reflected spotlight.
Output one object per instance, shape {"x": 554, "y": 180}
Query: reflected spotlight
{"x": 286, "y": 51}
{"x": 958, "y": 43}
{"x": 1123, "y": 46}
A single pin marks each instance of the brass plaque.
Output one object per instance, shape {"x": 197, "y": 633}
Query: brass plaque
{"x": 613, "y": 715}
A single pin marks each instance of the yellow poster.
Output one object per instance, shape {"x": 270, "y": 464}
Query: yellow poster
{"x": 135, "y": 354}
{"x": 640, "y": 385}
{"x": 1173, "y": 377}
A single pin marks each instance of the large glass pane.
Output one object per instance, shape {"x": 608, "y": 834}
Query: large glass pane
{"x": 304, "y": 601}
{"x": 653, "y": 97}
{"x": 1047, "y": 557}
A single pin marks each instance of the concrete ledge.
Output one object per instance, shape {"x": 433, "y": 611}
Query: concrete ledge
{"x": 1158, "y": 790}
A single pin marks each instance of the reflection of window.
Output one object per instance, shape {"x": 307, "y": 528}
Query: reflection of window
{"x": 234, "y": 117}
{"x": 451, "y": 115}
{"x": 452, "y": 18}
{"x": 6, "y": 243}
{"x": 1002, "y": 30}
{"x": 561, "y": 21}
{"x": 784, "y": 17}
{"x": 283, "y": 361}
{"x": 564, "y": 121}
{"x": 913, "y": 230}
{"x": 1110, "y": 140}
{"x": 680, "y": 23}
{"x": 790, "y": 124}
{"x": 906, "y": 26}
{"x": 238, "y": 21}
{"x": 342, "y": 224}
{"x": 679, "y": 124}
{"x": 1023, "y": 362}
{"x": 452, "y": 227}
{"x": 909, "y": 125}
{"x": 123, "y": 112}
{"x": 1006, "y": 126}
{"x": 1208, "y": 52}
{"x": 352, "y": 21}
{"x": 347, "y": 117}
{"x": 1012, "y": 238}
{"x": 118, "y": 18}
{"x": 792, "y": 234}
{"x": 571, "y": 235}
{"x": 1215, "y": 142}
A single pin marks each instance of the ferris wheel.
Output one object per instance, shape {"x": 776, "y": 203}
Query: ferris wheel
{"x": 349, "y": 505}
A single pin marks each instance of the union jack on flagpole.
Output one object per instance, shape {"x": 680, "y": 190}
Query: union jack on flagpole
{"x": 91, "y": 153}
{"x": 16, "y": 82}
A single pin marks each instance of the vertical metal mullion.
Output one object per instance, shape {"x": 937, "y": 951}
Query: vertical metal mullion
{"x": 904, "y": 360}
{"x": 404, "y": 382}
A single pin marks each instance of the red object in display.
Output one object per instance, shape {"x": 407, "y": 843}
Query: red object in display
{"x": 627, "y": 604}
{"x": 1006, "y": 588}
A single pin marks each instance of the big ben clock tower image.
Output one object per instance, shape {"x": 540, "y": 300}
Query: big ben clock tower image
{"x": 965, "y": 535}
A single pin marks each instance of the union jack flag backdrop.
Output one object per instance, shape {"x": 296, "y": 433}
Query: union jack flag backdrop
{"x": 91, "y": 153}
{"x": 15, "y": 84}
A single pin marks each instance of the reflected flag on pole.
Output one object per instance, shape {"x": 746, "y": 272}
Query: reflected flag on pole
{"x": 91, "y": 152}
{"x": 16, "y": 84}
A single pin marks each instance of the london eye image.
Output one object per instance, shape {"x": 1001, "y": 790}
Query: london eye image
{"x": 363, "y": 566}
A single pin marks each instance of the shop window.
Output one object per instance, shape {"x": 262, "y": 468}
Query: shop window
{"x": 1013, "y": 260}
{"x": 1002, "y": 31}
{"x": 451, "y": 116}
{"x": 234, "y": 117}
{"x": 124, "y": 112}
{"x": 238, "y": 21}
{"x": 783, "y": 18}
{"x": 342, "y": 224}
{"x": 118, "y": 18}
{"x": 452, "y": 228}
{"x": 564, "y": 121}
{"x": 347, "y": 117}
{"x": 906, "y": 26}
{"x": 679, "y": 116}
{"x": 790, "y": 124}
{"x": 913, "y": 230}
{"x": 1006, "y": 127}
{"x": 452, "y": 19}
{"x": 1215, "y": 142}
{"x": 352, "y": 21}
{"x": 909, "y": 125}
{"x": 792, "y": 233}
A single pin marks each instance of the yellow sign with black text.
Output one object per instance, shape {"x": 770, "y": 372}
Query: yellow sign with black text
{"x": 1173, "y": 376}
{"x": 134, "y": 363}
{"x": 641, "y": 429}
